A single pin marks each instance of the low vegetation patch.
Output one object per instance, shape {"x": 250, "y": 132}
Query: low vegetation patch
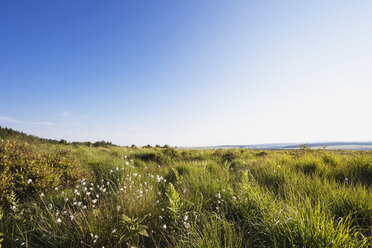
{"x": 25, "y": 172}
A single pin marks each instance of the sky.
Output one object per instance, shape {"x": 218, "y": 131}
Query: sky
{"x": 187, "y": 72}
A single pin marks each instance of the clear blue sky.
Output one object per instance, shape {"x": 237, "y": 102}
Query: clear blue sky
{"x": 187, "y": 72}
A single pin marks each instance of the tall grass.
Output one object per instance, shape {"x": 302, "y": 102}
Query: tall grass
{"x": 163, "y": 197}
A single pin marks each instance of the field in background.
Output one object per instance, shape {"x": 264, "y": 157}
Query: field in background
{"x": 56, "y": 194}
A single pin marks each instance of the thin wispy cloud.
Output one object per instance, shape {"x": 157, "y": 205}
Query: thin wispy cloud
{"x": 140, "y": 129}
{"x": 41, "y": 123}
{"x": 65, "y": 113}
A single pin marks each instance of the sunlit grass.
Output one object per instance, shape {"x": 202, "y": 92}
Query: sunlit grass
{"x": 163, "y": 197}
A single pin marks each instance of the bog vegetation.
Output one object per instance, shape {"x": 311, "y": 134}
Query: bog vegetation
{"x": 59, "y": 194}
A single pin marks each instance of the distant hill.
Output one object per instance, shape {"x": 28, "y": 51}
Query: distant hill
{"x": 358, "y": 145}
{"x": 14, "y": 135}
{"x": 11, "y": 134}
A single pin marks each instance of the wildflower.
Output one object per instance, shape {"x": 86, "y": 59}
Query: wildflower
{"x": 94, "y": 201}
{"x": 50, "y": 206}
{"x": 187, "y": 225}
{"x": 346, "y": 179}
{"x": 84, "y": 207}
{"x": 278, "y": 165}
{"x": 117, "y": 168}
{"x": 59, "y": 220}
{"x": 29, "y": 181}
{"x": 71, "y": 217}
{"x": 126, "y": 163}
{"x": 134, "y": 174}
{"x": 42, "y": 195}
{"x": 218, "y": 195}
{"x": 234, "y": 198}
{"x": 55, "y": 188}
{"x": 185, "y": 218}
{"x": 164, "y": 226}
{"x": 274, "y": 171}
{"x": 111, "y": 171}
{"x": 160, "y": 217}
{"x": 113, "y": 231}
{"x": 66, "y": 199}
{"x": 118, "y": 208}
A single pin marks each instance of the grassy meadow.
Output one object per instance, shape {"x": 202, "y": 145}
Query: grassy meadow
{"x": 57, "y": 194}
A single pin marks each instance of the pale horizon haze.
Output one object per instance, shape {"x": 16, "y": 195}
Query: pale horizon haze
{"x": 187, "y": 73}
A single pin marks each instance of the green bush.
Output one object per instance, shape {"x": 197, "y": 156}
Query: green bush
{"x": 27, "y": 172}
